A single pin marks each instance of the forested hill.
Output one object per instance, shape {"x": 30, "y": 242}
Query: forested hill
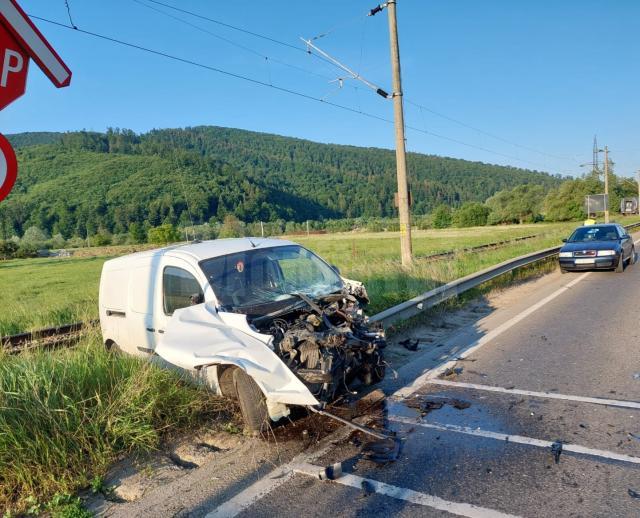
{"x": 74, "y": 183}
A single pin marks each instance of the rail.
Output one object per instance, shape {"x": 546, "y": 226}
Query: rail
{"x": 53, "y": 337}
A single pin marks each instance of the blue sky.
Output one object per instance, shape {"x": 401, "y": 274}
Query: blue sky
{"x": 546, "y": 75}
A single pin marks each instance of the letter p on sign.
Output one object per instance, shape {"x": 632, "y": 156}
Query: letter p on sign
{"x": 14, "y": 63}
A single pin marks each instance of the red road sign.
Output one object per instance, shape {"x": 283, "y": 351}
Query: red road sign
{"x": 34, "y": 43}
{"x": 14, "y": 63}
{"x": 20, "y": 40}
{"x": 8, "y": 167}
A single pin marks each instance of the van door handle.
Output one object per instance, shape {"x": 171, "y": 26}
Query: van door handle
{"x": 161, "y": 331}
{"x": 151, "y": 329}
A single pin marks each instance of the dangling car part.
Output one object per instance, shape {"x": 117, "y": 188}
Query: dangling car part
{"x": 263, "y": 320}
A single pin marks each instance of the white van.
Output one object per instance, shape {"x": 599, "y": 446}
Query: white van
{"x": 265, "y": 321}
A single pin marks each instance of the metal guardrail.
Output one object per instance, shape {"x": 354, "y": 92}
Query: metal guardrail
{"x": 63, "y": 335}
{"x": 418, "y": 304}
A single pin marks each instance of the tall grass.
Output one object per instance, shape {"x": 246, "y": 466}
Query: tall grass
{"x": 66, "y": 416}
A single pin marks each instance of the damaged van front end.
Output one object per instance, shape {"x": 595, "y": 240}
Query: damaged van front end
{"x": 263, "y": 312}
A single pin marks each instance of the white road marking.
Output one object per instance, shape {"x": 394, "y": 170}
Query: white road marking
{"x": 408, "y": 495}
{"x": 279, "y": 476}
{"x": 550, "y": 395}
{"x": 253, "y": 493}
{"x": 530, "y": 441}
{"x": 491, "y": 335}
{"x": 250, "y": 495}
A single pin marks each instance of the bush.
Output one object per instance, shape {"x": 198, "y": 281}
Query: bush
{"x": 231, "y": 227}
{"x": 441, "y": 217}
{"x": 8, "y": 249}
{"x": 472, "y": 214}
{"x": 34, "y": 236}
{"x": 66, "y": 416}
{"x": 102, "y": 238}
{"x": 26, "y": 250}
{"x": 163, "y": 234}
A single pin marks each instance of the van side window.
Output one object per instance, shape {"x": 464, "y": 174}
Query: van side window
{"x": 180, "y": 289}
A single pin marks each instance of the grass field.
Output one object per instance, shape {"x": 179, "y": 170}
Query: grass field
{"x": 37, "y": 293}
{"x": 66, "y": 416}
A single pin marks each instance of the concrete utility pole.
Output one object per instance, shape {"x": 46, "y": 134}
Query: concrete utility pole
{"x": 606, "y": 184}
{"x": 401, "y": 154}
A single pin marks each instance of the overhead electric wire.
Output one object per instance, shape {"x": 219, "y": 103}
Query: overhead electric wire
{"x": 231, "y": 42}
{"x": 306, "y": 50}
{"x": 272, "y": 86}
{"x": 469, "y": 126}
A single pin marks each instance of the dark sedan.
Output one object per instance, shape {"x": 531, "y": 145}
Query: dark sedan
{"x": 597, "y": 247}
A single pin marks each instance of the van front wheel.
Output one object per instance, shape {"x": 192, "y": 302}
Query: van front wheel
{"x": 252, "y": 402}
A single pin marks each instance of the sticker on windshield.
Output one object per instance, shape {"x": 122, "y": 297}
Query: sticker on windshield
{"x": 240, "y": 266}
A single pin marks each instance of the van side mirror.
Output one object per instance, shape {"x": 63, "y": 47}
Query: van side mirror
{"x": 565, "y": 240}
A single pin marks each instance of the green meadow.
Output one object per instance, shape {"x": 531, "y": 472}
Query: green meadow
{"x": 37, "y": 293}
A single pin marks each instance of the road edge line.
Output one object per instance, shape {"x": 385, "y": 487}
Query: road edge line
{"x": 406, "y": 494}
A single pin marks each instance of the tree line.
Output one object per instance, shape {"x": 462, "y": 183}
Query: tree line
{"x": 86, "y": 184}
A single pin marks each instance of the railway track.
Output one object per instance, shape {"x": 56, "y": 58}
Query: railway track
{"x": 62, "y": 336}
{"x": 49, "y": 338}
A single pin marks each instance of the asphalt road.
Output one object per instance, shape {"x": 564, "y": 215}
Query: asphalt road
{"x": 495, "y": 457}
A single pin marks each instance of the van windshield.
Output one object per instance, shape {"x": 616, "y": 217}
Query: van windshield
{"x": 261, "y": 276}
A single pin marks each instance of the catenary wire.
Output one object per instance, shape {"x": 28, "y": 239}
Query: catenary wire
{"x": 275, "y": 87}
{"x": 283, "y": 43}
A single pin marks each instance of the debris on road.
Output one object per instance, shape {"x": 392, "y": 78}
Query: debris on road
{"x": 427, "y": 404}
{"x": 636, "y": 376}
{"x": 556, "y": 451}
{"x": 409, "y": 344}
{"x": 331, "y": 472}
{"x": 367, "y": 488}
{"x": 382, "y": 452}
{"x": 634, "y": 436}
{"x": 452, "y": 371}
{"x": 633, "y": 494}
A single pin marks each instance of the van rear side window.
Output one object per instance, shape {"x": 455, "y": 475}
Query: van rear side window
{"x": 180, "y": 289}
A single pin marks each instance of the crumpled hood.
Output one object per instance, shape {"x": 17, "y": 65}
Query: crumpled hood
{"x": 196, "y": 336}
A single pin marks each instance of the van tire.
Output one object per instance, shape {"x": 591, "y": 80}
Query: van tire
{"x": 112, "y": 347}
{"x": 252, "y": 403}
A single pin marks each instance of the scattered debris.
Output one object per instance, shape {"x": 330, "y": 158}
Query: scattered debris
{"x": 427, "y": 404}
{"x": 382, "y": 452}
{"x": 556, "y": 450}
{"x": 634, "y": 436}
{"x": 583, "y": 425}
{"x": 633, "y": 494}
{"x": 368, "y": 488}
{"x": 409, "y": 344}
{"x": 331, "y": 472}
{"x": 461, "y": 359}
{"x": 636, "y": 376}
{"x": 452, "y": 371}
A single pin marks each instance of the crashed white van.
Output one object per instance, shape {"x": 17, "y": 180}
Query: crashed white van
{"x": 265, "y": 321}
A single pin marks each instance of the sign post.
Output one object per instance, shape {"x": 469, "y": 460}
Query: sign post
{"x": 20, "y": 41}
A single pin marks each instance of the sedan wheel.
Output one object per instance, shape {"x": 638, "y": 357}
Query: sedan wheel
{"x": 620, "y": 267}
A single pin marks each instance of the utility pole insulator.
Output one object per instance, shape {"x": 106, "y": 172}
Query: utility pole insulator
{"x": 382, "y": 93}
{"x": 376, "y": 9}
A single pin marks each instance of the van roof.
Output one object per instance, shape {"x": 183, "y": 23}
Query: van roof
{"x": 208, "y": 249}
